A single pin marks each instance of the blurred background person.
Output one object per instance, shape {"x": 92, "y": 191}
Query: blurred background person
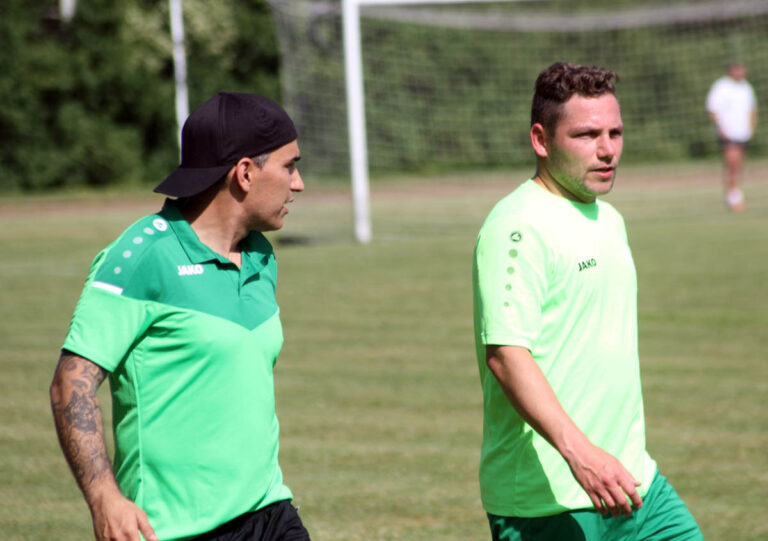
{"x": 732, "y": 107}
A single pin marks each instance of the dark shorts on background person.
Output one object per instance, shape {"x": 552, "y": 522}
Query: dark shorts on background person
{"x": 276, "y": 522}
{"x": 664, "y": 517}
{"x": 723, "y": 143}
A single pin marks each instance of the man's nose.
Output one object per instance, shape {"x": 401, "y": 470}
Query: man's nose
{"x": 606, "y": 147}
{"x": 297, "y": 183}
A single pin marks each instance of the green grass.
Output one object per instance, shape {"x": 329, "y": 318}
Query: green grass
{"x": 378, "y": 397}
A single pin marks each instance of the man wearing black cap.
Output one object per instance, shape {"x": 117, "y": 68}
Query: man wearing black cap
{"x": 180, "y": 313}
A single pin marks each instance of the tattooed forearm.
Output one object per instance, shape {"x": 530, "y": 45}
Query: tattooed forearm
{"x": 77, "y": 415}
{"x": 81, "y": 412}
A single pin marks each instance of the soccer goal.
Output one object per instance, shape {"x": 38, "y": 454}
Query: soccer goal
{"x": 439, "y": 85}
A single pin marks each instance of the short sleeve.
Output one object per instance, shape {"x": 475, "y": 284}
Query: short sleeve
{"x": 510, "y": 283}
{"x": 105, "y": 324}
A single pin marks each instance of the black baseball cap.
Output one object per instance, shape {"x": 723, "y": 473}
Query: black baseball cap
{"x": 227, "y": 127}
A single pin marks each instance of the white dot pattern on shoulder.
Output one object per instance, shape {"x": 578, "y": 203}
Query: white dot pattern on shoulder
{"x": 138, "y": 240}
{"x": 118, "y": 270}
{"x": 160, "y": 224}
{"x": 127, "y": 254}
{"x": 149, "y": 231}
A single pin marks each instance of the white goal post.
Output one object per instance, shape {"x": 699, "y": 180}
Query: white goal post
{"x": 353, "y": 73}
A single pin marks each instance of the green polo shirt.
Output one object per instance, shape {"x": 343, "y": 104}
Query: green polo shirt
{"x": 557, "y": 277}
{"x": 190, "y": 341}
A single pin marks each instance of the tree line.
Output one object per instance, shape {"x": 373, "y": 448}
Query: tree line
{"x": 90, "y": 101}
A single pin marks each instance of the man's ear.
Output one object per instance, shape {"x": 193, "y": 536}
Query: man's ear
{"x": 243, "y": 172}
{"x": 539, "y": 140}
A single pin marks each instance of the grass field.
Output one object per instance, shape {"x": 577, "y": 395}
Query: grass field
{"x": 378, "y": 396}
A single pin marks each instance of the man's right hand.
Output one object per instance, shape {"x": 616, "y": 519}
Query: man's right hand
{"x": 609, "y": 485}
{"x": 119, "y": 519}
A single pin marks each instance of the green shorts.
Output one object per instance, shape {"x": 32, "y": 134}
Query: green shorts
{"x": 663, "y": 516}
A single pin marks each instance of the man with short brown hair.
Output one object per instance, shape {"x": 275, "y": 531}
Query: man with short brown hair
{"x": 555, "y": 309}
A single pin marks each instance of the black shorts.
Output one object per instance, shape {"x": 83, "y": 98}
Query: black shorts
{"x": 276, "y": 522}
{"x": 724, "y": 143}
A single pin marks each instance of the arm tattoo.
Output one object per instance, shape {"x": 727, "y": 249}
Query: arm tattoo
{"x": 77, "y": 415}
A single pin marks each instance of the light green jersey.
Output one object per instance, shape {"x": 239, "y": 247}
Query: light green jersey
{"x": 557, "y": 277}
{"x": 190, "y": 341}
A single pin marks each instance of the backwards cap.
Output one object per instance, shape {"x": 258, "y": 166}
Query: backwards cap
{"x": 227, "y": 127}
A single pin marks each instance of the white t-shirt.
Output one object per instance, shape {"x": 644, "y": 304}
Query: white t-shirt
{"x": 732, "y": 103}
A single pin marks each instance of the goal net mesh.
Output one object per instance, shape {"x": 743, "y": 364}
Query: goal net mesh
{"x": 450, "y": 85}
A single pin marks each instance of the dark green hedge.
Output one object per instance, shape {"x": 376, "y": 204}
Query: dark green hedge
{"x": 439, "y": 97}
{"x": 91, "y": 102}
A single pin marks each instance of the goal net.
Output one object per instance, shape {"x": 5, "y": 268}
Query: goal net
{"x": 450, "y": 85}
